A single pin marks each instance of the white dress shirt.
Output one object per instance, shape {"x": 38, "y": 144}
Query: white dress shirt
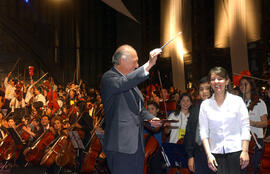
{"x": 41, "y": 98}
{"x": 29, "y": 95}
{"x": 15, "y": 103}
{"x": 9, "y": 90}
{"x": 226, "y": 125}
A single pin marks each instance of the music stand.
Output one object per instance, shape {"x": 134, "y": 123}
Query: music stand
{"x": 76, "y": 140}
{"x": 176, "y": 154}
{"x": 16, "y": 138}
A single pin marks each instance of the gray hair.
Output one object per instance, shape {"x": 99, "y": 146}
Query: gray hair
{"x": 121, "y": 54}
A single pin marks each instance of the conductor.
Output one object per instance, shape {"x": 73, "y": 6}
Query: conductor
{"x": 124, "y": 110}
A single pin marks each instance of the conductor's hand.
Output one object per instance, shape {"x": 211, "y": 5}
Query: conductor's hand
{"x": 155, "y": 122}
{"x": 153, "y": 57}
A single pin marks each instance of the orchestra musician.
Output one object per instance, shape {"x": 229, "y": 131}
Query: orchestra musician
{"x": 258, "y": 118}
{"x": 39, "y": 96}
{"x": 197, "y": 160}
{"x": 9, "y": 90}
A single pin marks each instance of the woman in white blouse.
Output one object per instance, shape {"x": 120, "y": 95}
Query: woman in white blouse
{"x": 224, "y": 126}
{"x": 258, "y": 118}
{"x": 177, "y": 130}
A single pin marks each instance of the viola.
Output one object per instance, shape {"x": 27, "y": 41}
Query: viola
{"x": 34, "y": 153}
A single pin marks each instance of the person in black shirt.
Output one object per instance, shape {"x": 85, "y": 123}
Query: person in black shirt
{"x": 197, "y": 160}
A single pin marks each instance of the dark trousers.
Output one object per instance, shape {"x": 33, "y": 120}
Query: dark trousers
{"x": 256, "y": 158}
{"x": 157, "y": 163}
{"x": 123, "y": 163}
{"x": 201, "y": 163}
{"x": 228, "y": 163}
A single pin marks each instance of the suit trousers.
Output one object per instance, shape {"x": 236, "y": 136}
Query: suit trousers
{"x": 123, "y": 163}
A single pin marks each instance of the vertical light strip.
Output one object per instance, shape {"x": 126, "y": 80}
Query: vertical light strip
{"x": 171, "y": 24}
{"x": 246, "y": 11}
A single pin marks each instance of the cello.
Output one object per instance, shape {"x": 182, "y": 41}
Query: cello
{"x": 95, "y": 149}
{"x": 67, "y": 154}
{"x": 151, "y": 147}
{"x": 34, "y": 153}
{"x": 14, "y": 150}
{"x": 51, "y": 154}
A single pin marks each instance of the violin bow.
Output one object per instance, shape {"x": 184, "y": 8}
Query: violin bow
{"x": 256, "y": 78}
{"x": 161, "y": 87}
{"x": 40, "y": 79}
{"x": 16, "y": 63}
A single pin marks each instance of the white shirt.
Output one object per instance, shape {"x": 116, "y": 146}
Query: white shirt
{"x": 41, "y": 98}
{"x": 181, "y": 124}
{"x": 15, "y": 103}
{"x": 29, "y": 95}
{"x": 255, "y": 115}
{"x": 9, "y": 90}
{"x": 226, "y": 125}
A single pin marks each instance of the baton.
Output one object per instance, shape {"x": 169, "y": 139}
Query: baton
{"x": 170, "y": 40}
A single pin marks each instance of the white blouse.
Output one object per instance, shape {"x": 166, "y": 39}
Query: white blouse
{"x": 255, "y": 115}
{"x": 175, "y": 127}
{"x": 226, "y": 125}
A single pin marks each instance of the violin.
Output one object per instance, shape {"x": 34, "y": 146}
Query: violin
{"x": 18, "y": 91}
{"x": 254, "y": 101}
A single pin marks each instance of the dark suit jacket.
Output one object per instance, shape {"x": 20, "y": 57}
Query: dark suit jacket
{"x": 123, "y": 118}
{"x": 189, "y": 140}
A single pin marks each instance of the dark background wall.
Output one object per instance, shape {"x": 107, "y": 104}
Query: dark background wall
{"x": 27, "y": 30}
